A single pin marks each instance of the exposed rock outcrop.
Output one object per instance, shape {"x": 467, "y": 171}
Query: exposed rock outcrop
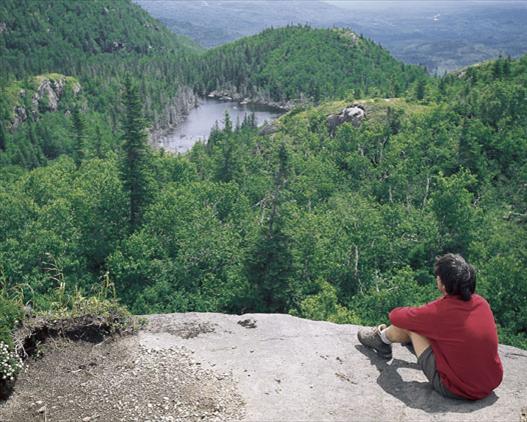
{"x": 52, "y": 91}
{"x": 268, "y": 129}
{"x": 231, "y": 94}
{"x": 114, "y": 46}
{"x": 251, "y": 367}
{"x": 348, "y": 35}
{"x": 19, "y": 116}
{"x": 354, "y": 113}
{"x": 46, "y": 97}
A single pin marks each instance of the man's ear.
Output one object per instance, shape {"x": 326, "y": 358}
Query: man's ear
{"x": 440, "y": 285}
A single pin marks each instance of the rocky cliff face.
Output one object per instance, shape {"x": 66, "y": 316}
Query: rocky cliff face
{"x": 45, "y": 97}
{"x": 258, "y": 367}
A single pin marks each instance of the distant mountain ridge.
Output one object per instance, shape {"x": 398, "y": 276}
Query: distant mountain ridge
{"x": 440, "y": 35}
{"x": 212, "y": 23}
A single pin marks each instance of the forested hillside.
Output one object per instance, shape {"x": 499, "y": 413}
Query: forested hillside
{"x": 340, "y": 223}
{"x": 39, "y": 36}
{"x": 285, "y": 63}
{"x": 98, "y": 43}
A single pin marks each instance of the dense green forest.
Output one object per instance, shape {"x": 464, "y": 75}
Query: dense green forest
{"x": 98, "y": 43}
{"x": 339, "y": 226}
{"x": 296, "y": 61}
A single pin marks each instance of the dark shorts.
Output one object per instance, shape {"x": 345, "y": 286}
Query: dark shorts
{"x": 427, "y": 362}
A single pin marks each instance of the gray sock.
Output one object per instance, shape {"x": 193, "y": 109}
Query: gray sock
{"x": 384, "y": 337}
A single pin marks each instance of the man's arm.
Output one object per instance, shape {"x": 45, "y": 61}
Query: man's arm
{"x": 421, "y": 320}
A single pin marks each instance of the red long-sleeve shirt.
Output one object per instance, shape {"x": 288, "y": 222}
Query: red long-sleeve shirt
{"x": 464, "y": 341}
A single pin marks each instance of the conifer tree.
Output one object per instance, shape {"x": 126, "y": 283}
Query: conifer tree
{"x": 34, "y": 156}
{"x": 79, "y": 128}
{"x": 507, "y": 67}
{"x": 2, "y": 137}
{"x": 215, "y": 137}
{"x": 98, "y": 142}
{"x": 472, "y": 76}
{"x": 228, "y": 123}
{"x": 420, "y": 89}
{"x": 135, "y": 165}
{"x": 497, "y": 68}
{"x": 270, "y": 266}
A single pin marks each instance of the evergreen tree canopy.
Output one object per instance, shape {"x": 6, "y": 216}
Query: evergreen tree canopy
{"x": 337, "y": 223}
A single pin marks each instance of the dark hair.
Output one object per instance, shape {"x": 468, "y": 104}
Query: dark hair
{"x": 458, "y": 276}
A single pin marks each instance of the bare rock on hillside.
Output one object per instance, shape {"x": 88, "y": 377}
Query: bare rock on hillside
{"x": 354, "y": 113}
{"x": 20, "y": 116}
{"x": 252, "y": 367}
{"x": 268, "y": 129}
{"x": 50, "y": 90}
{"x": 46, "y": 97}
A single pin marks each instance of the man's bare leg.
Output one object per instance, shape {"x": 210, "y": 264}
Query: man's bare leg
{"x": 397, "y": 335}
{"x": 400, "y": 335}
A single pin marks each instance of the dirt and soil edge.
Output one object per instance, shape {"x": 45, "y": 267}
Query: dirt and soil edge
{"x": 88, "y": 373}
{"x": 35, "y": 330}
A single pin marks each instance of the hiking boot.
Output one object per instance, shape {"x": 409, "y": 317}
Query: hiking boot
{"x": 371, "y": 337}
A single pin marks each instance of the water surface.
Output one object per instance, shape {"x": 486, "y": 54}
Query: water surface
{"x": 200, "y": 121}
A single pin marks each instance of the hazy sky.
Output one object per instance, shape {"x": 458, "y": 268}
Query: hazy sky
{"x": 370, "y": 4}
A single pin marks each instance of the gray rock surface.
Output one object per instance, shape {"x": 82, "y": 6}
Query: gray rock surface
{"x": 231, "y": 94}
{"x": 197, "y": 367}
{"x": 51, "y": 90}
{"x": 19, "y": 117}
{"x": 268, "y": 129}
{"x": 354, "y": 113}
{"x": 291, "y": 369}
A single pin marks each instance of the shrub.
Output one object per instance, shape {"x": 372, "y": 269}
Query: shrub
{"x": 10, "y": 363}
{"x": 324, "y": 306}
{"x": 10, "y": 314}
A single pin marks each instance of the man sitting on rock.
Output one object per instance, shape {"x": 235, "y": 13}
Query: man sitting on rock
{"x": 453, "y": 337}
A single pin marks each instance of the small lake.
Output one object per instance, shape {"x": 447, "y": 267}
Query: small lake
{"x": 201, "y": 120}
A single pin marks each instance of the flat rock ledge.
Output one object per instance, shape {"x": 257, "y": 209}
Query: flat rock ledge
{"x": 254, "y": 367}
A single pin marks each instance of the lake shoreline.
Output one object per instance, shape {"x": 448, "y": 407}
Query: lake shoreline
{"x": 284, "y": 106}
{"x": 197, "y": 124}
{"x": 177, "y": 112}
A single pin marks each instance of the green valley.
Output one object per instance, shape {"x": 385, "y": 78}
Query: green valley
{"x": 338, "y": 223}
